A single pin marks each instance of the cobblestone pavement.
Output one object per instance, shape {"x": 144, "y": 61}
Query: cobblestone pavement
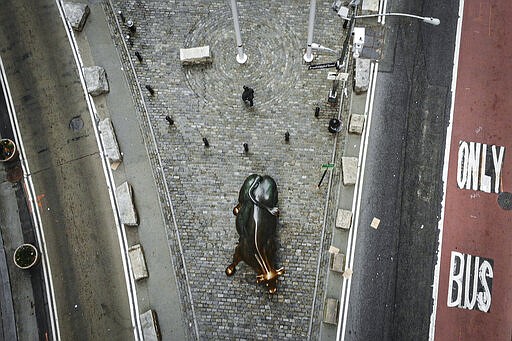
{"x": 203, "y": 183}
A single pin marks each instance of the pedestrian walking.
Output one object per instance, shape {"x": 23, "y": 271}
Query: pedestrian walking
{"x": 169, "y": 120}
{"x": 248, "y": 95}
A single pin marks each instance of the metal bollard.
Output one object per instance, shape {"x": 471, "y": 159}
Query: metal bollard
{"x": 123, "y": 19}
{"x": 150, "y": 89}
{"x": 138, "y": 55}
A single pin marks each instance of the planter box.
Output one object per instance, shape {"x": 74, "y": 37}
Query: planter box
{"x": 8, "y": 150}
{"x": 26, "y": 256}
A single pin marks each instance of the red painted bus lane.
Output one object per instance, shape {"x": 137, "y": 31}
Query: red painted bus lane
{"x": 475, "y": 280}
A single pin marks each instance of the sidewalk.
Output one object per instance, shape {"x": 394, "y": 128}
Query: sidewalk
{"x": 159, "y": 291}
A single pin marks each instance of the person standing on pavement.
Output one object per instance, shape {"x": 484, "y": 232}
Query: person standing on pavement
{"x": 248, "y": 95}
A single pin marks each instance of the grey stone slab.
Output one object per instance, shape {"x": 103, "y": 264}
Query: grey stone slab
{"x": 138, "y": 262}
{"x": 370, "y": 6}
{"x": 361, "y": 75}
{"x": 337, "y": 262}
{"x": 76, "y": 15}
{"x": 349, "y": 169}
{"x": 150, "y": 328}
{"x": 331, "y": 311}
{"x": 195, "y": 55}
{"x": 126, "y": 206}
{"x": 343, "y": 219}
{"x": 96, "y": 80}
{"x": 108, "y": 136}
{"x": 356, "y": 124}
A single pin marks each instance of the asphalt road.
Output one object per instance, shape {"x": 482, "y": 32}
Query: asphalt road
{"x": 391, "y": 292}
{"x": 78, "y": 223}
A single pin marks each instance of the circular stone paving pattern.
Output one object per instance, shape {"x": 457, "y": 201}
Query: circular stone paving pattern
{"x": 274, "y": 57}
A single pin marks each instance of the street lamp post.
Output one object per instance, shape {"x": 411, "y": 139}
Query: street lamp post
{"x": 308, "y": 57}
{"x": 241, "y": 57}
{"x": 428, "y": 20}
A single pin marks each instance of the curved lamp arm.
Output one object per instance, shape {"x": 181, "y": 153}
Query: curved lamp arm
{"x": 428, "y": 20}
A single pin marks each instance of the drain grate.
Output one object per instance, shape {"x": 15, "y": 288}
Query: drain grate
{"x": 505, "y": 200}
{"x": 76, "y": 123}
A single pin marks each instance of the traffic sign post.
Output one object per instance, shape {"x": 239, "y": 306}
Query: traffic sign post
{"x": 327, "y": 166}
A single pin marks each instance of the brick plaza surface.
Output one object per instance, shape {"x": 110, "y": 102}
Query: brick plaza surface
{"x": 205, "y": 101}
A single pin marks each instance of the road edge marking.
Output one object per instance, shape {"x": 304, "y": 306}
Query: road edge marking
{"x": 440, "y": 225}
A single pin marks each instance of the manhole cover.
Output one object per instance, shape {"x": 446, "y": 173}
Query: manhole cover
{"x": 76, "y": 123}
{"x": 505, "y": 200}
{"x": 14, "y": 174}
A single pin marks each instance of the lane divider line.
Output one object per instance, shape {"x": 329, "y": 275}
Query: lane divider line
{"x": 440, "y": 225}
{"x": 28, "y": 187}
{"x": 121, "y": 233}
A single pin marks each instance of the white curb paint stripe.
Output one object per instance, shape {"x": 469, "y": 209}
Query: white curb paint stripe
{"x": 435, "y": 285}
{"x": 34, "y": 208}
{"x": 121, "y": 233}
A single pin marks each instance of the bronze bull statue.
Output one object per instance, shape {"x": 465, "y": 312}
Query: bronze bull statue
{"x": 256, "y": 222}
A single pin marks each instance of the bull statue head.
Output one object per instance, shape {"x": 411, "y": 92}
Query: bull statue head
{"x": 256, "y": 222}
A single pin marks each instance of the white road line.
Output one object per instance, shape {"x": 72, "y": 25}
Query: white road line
{"x": 356, "y": 203}
{"x": 121, "y": 233}
{"x": 435, "y": 285}
{"x": 384, "y": 9}
{"x": 381, "y": 4}
{"x": 34, "y": 208}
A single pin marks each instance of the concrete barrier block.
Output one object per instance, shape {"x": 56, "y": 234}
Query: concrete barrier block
{"x": 150, "y": 327}
{"x": 370, "y": 6}
{"x": 138, "y": 262}
{"x": 331, "y": 311}
{"x": 96, "y": 80}
{"x": 343, "y": 219}
{"x": 362, "y": 75}
{"x": 195, "y": 55}
{"x": 109, "y": 139}
{"x": 126, "y": 207}
{"x": 356, "y": 124}
{"x": 349, "y": 169}
{"x": 337, "y": 262}
{"x": 76, "y": 14}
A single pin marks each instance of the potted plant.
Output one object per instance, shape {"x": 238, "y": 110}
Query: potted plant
{"x": 26, "y": 256}
{"x": 7, "y": 150}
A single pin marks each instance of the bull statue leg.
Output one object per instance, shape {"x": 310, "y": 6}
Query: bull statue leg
{"x": 237, "y": 257}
